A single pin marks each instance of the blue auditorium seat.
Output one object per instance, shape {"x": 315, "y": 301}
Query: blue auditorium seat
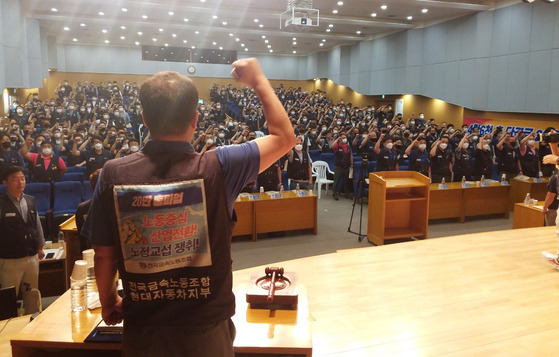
{"x": 73, "y": 176}
{"x": 329, "y": 158}
{"x": 315, "y": 155}
{"x": 86, "y": 190}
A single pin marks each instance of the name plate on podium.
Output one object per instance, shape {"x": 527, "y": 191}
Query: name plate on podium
{"x": 485, "y": 184}
{"x": 465, "y": 185}
{"x": 274, "y": 195}
{"x": 253, "y": 197}
{"x": 443, "y": 186}
{"x": 301, "y": 194}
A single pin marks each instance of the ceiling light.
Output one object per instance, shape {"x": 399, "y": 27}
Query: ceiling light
{"x": 334, "y": 11}
{"x": 174, "y": 35}
{"x": 140, "y": 33}
{"x": 424, "y": 11}
{"x": 331, "y": 25}
{"x": 358, "y": 32}
{"x": 123, "y": 27}
{"x": 107, "y": 41}
{"x": 269, "y": 46}
{"x": 340, "y": 3}
{"x": 294, "y": 38}
{"x": 242, "y": 45}
{"x": 104, "y": 31}
{"x": 374, "y": 14}
{"x": 221, "y": 48}
{"x": 327, "y": 30}
{"x": 271, "y": 51}
{"x": 384, "y": 7}
{"x": 184, "y": 41}
{"x": 237, "y": 39}
{"x": 185, "y": 19}
{"x": 122, "y": 37}
{"x": 294, "y": 51}
{"x": 82, "y": 25}
{"x": 294, "y": 43}
{"x": 66, "y": 28}
{"x": 266, "y": 41}
{"x": 323, "y": 40}
{"x": 124, "y": 9}
{"x": 75, "y": 39}
{"x": 166, "y": 45}
{"x": 214, "y": 17}
{"x": 409, "y": 17}
{"x": 101, "y": 13}
{"x": 171, "y": 13}
{"x": 197, "y": 32}
{"x": 144, "y": 17}
{"x": 160, "y": 30}
{"x": 214, "y": 43}
{"x": 154, "y": 39}
{"x": 137, "y": 43}
{"x": 202, "y": 0}
{"x": 260, "y": 25}
{"x": 256, "y": 20}
{"x": 231, "y": 34}
{"x": 246, "y": 49}
{"x": 53, "y": 9}
{"x": 321, "y": 44}
{"x": 193, "y": 47}
{"x": 224, "y": 23}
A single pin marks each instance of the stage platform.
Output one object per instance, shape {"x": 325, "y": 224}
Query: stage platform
{"x": 488, "y": 294}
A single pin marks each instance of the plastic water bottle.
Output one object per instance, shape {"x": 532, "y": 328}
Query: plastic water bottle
{"x": 527, "y": 199}
{"x": 261, "y": 189}
{"x": 482, "y": 179}
{"x": 297, "y": 189}
{"x": 463, "y": 180}
{"x": 443, "y": 181}
{"x": 61, "y": 239}
{"x": 78, "y": 286}
{"x": 503, "y": 179}
{"x": 281, "y": 190}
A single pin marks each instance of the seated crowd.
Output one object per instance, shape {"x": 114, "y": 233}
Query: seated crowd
{"x": 88, "y": 125}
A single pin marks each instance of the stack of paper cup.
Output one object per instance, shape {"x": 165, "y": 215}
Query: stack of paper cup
{"x": 78, "y": 281}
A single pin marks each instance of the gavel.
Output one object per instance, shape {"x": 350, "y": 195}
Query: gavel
{"x": 274, "y": 273}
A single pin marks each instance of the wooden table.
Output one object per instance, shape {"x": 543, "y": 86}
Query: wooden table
{"x": 526, "y": 216}
{"x": 520, "y": 188}
{"x": 9, "y": 329}
{"x": 259, "y": 332}
{"x": 265, "y": 215}
{"x": 458, "y": 202}
{"x": 52, "y": 274}
{"x": 485, "y": 294}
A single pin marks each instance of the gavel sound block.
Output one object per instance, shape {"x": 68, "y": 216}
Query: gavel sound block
{"x": 275, "y": 290}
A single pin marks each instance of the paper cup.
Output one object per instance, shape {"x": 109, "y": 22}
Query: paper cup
{"x": 48, "y": 244}
{"x": 80, "y": 270}
{"x": 89, "y": 255}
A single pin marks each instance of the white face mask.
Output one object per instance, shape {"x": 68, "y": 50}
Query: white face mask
{"x": 465, "y": 145}
{"x": 20, "y": 111}
{"x": 221, "y": 135}
{"x": 475, "y": 138}
{"x": 47, "y": 151}
{"x": 125, "y": 146}
{"x": 209, "y": 141}
{"x": 486, "y": 146}
{"x": 344, "y": 141}
{"x": 531, "y": 142}
{"x": 443, "y": 145}
{"x": 134, "y": 148}
{"x": 421, "y": 116}
{"x": 422, "y": 147}
{"x": 298, "y": 147}
{"x": 98, "y": 146}
{"x": 389, "y": 146}
{"x": 364, "y": 136}
{"x": 57, "y": 135}
{"x": 335, "y": 131}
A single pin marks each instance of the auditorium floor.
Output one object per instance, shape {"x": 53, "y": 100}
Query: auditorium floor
{"x": 333, "y": 235}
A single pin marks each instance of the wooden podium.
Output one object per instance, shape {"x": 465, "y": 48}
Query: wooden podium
{"x": 398, "y": 205}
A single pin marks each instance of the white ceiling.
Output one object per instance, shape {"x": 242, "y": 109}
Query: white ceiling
{"x": 239, "y": 24}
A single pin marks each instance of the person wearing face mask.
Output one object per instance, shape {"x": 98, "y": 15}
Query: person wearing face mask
{"x": 46, "y": 166}
{"x": 10, "y": 156}
{"x": 463, "y": 166}
{"x": 441, "y": 161}
{"x": 507, "y": 156}
{"x": 420, "y": 160}
{"x": 528, "y": 157}
{"x": 483, "y": 159}
{"x": 95, "y": 158}
{"x": 387, "y": 157}
{"x": 299, "y": 166}
{"x": 544, "y": 150}
{"x": 343, "y": 160}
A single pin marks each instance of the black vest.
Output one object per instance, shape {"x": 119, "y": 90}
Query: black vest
{"x": 175, "y": 167}
{"x": 95, "y": 162}
{"x": 17, "y": 238}
{"x": 50, "y": 174}
{"x": 387, "y": 160}
{"x": 341, "y": 158}
{"x": 529, "y": 162}
{"x": 507, "y": 159}
{"x": 11, "y": 159}
{"x": 420, "y": 161}
{"x": 440, "y": 162}
{"x": 297, "y": 169}
{"x": 463, "y": 164}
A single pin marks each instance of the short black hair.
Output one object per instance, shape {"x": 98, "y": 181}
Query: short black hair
{"x": 10, "y": 170}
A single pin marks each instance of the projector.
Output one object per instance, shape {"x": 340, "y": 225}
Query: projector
{"x": 299, "y": 21}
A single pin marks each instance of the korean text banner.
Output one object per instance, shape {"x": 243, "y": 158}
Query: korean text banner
{"x": 511, "y": 126}
{"x": 163, "y": 227}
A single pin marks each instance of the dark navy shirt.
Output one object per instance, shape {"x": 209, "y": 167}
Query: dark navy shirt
{"x": 239, "y": 163}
